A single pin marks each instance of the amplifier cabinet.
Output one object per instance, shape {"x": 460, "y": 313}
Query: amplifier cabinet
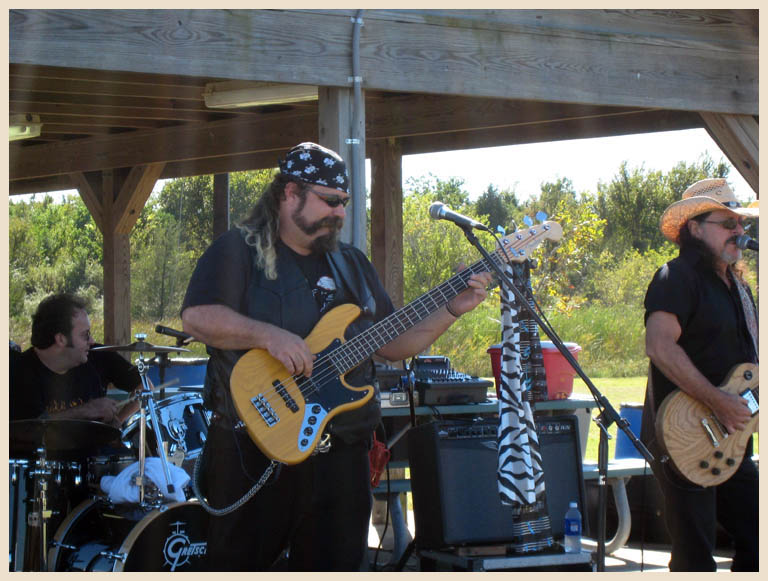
{"x": 453, "y": 480}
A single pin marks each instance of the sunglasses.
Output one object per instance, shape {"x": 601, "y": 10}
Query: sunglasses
{"x": 331, "y": 200}
{"x": 729, "y": 223}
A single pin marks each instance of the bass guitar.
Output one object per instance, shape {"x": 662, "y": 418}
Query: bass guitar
{"x": 698, "y": 445}
{"x": 285, "y": 414}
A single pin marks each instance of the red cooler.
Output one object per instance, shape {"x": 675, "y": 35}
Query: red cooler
{"x": 559, "y": 371}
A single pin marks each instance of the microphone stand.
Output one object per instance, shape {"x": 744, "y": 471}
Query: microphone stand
{"x": 608, "y": 415}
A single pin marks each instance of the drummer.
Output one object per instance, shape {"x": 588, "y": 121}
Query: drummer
{"x": 58, "y": 377}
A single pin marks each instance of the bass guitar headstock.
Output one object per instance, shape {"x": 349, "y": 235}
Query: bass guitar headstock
{"x": 516, "y": 247}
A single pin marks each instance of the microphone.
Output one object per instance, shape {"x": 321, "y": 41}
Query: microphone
{"x": 439, "y": 211}
{"x": 745, "y": 242}
{"x": 181, "y": 336}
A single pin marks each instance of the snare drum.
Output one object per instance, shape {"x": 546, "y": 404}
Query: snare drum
{"x": 98, "y": 536}
{"x": 183, "y": 425}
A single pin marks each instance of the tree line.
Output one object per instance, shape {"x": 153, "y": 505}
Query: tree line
{"x": 610, "y": 247}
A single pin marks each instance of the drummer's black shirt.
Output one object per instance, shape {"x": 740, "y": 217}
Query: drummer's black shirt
{"x": 37, "y": 391}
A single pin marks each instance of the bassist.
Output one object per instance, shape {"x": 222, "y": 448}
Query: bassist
{"x": 266, "y": 285}
{"x": 700, "y": 322}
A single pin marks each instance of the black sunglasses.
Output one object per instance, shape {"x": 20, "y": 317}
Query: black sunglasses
{"x": 728, "y": 223}
{"x": 331, "y": 200}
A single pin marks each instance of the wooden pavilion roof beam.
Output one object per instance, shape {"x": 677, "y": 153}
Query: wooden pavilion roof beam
{"x": 430, "y": 123}
{"x": 702, "y": 60}
{"x": 738, "y": 136}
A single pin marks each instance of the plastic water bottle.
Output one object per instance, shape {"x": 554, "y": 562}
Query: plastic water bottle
{"x": 572, "y": 540}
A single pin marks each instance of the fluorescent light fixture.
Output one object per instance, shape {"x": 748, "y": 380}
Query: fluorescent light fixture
{"x": 232, "y": 94}
{"x": 24, "y": 126}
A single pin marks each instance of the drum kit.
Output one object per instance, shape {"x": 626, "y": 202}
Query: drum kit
{"x": 58, "y": 463}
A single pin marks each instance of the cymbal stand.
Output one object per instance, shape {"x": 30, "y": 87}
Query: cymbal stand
{"x": 147, "y": 403}
{"x": 40, "y": 514}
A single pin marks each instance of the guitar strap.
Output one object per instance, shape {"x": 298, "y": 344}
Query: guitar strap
{"x": 750, "y": 315}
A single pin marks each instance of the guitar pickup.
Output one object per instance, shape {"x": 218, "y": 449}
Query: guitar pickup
{"x": 290, "y": 403}
{"x": 752, "y": 402}
{"x": 265, "y": 409}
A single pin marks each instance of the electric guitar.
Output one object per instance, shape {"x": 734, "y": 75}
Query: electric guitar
{"x": 699, "y": 446}
{"x": 285, "y": 414}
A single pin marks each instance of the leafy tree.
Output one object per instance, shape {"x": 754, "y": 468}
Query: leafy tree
{"x": 160, "y": 268}
{"x": 450, "y": 191}
{"x": 431, "y": 250}
{"x": 190, "y": 202}
{"x": 498, "y": 207}
{"x": 550, "y": 198}
{"x": 563, "y": 267}
{"x": 632, "y": 203}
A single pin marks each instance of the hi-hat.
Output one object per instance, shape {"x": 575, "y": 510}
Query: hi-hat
{"x": 141, "y": 347}
{"x": 59, "y": 436}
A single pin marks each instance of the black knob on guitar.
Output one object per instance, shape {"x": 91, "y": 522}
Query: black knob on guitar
{"x": 730, "y": 461}
{"x": 718, "y": 454}
{"x": 716, "y": 471}
{"x": 703, "y": 464}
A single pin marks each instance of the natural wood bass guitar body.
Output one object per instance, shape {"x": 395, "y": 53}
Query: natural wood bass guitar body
{"x": 698, "y": 446}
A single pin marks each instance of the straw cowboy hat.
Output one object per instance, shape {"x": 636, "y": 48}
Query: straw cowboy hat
{"x": 703, "y": 196}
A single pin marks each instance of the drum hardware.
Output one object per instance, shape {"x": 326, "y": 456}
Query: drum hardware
{"x": 45, "y": 441}
{"x": 147, "y": 404}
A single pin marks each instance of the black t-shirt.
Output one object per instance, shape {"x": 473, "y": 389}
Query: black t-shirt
{"x": 714, "y": 331}
{"x": 35, "y": 390}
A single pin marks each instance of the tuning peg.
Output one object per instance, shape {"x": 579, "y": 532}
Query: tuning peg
{"x": 541, "y": 216}
{"x": 528, "y": 221}
{"x": 500, "y": 230}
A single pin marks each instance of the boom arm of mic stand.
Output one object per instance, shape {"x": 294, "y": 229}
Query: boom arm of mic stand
{"x": 605, "y": 419}
{"x": 609, "y": 414}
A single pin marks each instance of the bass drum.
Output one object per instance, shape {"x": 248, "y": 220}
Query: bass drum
{"x": 98, "y": 536}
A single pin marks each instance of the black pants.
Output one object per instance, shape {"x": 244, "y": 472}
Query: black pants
{"x": 692, "y": 513}
{"x": 319, "y": 509}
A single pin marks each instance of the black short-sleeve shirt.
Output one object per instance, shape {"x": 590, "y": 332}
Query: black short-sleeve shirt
{"x": 714, "y": 331}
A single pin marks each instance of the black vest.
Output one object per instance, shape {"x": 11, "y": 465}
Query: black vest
{"x": 287, "y": 302}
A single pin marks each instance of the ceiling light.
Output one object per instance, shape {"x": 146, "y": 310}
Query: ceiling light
{"x": 232, "y": 94}
{"x": 24, "y": 126}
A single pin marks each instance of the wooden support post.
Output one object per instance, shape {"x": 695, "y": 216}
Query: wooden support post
{"x": 387, "y": 215}
{"x": 335, "y": 129}
{"x": 115, "y": 202}
{"x": 220, "y": 204}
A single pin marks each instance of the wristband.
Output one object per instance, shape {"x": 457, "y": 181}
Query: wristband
{"x": 450, "y": 310}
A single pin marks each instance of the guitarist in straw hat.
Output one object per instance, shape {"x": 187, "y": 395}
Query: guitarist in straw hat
{"x": 265, "y": 285}
{"x": 700, "y": 322}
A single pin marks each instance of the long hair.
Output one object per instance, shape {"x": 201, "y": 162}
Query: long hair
{"x": 54, "y": 315}
{"x": 688, "y": 240}
{"x": 260, "y": 227}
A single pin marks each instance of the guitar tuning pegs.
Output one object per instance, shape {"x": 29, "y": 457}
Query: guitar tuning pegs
{"x": 500, "y": 230}
{"x": 541, "y": 216}
{"x": 528, "y": 221}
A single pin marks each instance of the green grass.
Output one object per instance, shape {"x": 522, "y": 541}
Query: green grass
{"x": 618, "y": 391}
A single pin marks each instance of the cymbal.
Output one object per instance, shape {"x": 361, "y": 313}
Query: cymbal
{"x": 141, "y": 347}
{"x": 59, "y": 436}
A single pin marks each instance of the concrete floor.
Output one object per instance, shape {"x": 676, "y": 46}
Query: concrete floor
{"x": 652, "y": 558}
